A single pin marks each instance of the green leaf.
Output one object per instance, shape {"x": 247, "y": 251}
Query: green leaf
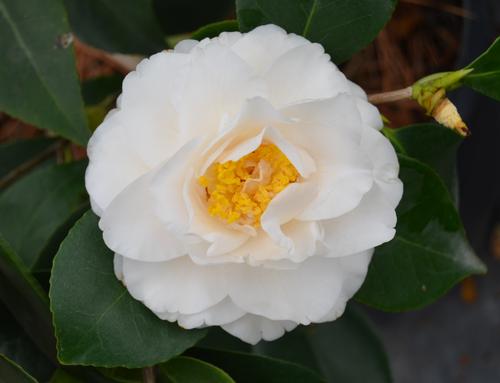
{"x": 37, "y": 68}
{"x": 336, "y": 350}
{"x": 485, "y": 78}
{"x": 184, "y": 369}
{"x": 343, "y": 27}
{"x": 434, "y": 145}
{"x": 13, "y": 154}
{"x": 16, "y": 345}
{"x": 11, "y": 372}
{"x": 124, "y": 26}
{"x": 60, "y": 376}
{"x": 98, "y": 89}
{"x": 248, "y": 368}
{"x": 97, "y": 321}
{"x": 34, "y": 208}
{"x": 215, "y": 29}
{"x": 26, "y": 300}
{"x": 429, "y": 253}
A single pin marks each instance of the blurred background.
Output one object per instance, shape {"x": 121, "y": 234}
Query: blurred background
{"x": 456, "y": 339}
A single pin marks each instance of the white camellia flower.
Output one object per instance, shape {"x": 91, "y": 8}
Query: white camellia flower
{"x": 242, "y": 182}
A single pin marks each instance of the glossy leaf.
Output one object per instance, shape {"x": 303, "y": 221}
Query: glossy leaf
{"x": 97, "y": 89}
{"x": 343, "y": 27}
{"x": 61, "y": 376}
{"x": 248, "y": 368}
{"x": 125, "y": 26}
{"x": 11, "y": 372}
{"x": 97, "y": 321}
{"x": 14, "y": 154}
{"x": 37, "y": 68}
{"x": 429, "y": 253}
{"x": 432, "y": 144}
{"x": 16, "y": 345}
{"x": 26, "y": 300}
{"x": 185, "y": 16}
{"x": 214, "y": 29}
{"x": 184, "y": 369}
{"x": 485, "y": 78}
{"x": 34, "y": 208}
{"x": 346, "y": 350}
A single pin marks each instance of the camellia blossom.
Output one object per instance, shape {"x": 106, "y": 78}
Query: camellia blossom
{"x": 242, "y": 182}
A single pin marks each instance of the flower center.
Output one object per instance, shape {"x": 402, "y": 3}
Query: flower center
{"x": 240, "y": 191}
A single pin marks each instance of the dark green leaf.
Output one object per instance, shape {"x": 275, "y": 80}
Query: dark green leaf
{"x": 16, "y": 345}
{"x": 11, "y": 372}
{"x": 346, "y": 350}
{"x": 98, "y": 89}
{"x": 185, "y": 16}
{"x": 184, "y": 369}
{"x": 13, "y": 154}
{"x": 434, "y": 145}
{"x": 97, "y": 321}
{"x": 343, "y": 27}
{"x": 214, "y": 29}
{"x": 248, "y": 368}
{"x": 122, "y": 375}
{"x": 35, "y": 207}
{"x": 37, "y": 68}
{"x": 429, "y": 253}
{"x": 485, "y": 78}
{"x": 125, "y": 26}
{"x": 26, "y": 300}
{"x": 60, "y": 376}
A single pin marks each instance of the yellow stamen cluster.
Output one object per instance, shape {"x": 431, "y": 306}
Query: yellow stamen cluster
{"x": 239, "y": 191}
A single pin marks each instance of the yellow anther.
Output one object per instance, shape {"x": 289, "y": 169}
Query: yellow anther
{"x": 240, "y": 191}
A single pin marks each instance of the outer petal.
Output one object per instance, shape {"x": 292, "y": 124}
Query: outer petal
{"x": 304, "y": 73}
{"x": 141, "y": 133}
{"x": 370, "y": 224}
{"x": 261, "y": 47}
{"x": 176, "y": 286}
{"x": 131, "y": 228}
{"x": 253, "y": 328}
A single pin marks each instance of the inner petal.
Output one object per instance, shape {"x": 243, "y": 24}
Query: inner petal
{"x": 240, "y": 191}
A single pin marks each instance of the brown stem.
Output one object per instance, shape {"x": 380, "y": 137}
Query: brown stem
{"x": 148, "y": 375}
{"x": 395, "y": 95}
{"x": 25, "y": 167}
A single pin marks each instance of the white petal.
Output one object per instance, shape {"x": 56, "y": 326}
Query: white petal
{"x": 385, "y": 165}
{"x": 253, "y": 328}
{"x": 263, "y": 45}
{"x": 140, "y": 133}
{"x": 370, "y": 115}
{"x": 175, "y": 286}
{"x": 131, "y": 228}
{"x": 285, "y": 206}
{"x": 222, "y": 313}
{"x": 356, "y": 267}
{"x": 185, "y": 46}
{"x": 217, "y": 84}
{"x": 304, "y": 73}
{"x": 302, "y": 295}
{"x": 370, "y": 224}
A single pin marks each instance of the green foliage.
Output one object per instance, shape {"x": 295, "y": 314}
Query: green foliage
{"x": 429, "y": 253}
{"x": 215, "y": 29}
{"x": 16, "y": 345}
{"x": 248, "y": 368}
{"x": 37, "y": 68}
{"x": 343, "y": 27}
{"x": 432, "y": 144}
{"x": 11, "y": 372}
{"x": 97, "y": 322}
{"x": 16, "y": 153}
{"x": 25, "y": 299}
{"x": 38, "y": 205}
{"x": 190, "y": 370}
{"x": 485, "y": 77}
{"x": 124, "y": 26}
{"x": 336, "y": 350}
